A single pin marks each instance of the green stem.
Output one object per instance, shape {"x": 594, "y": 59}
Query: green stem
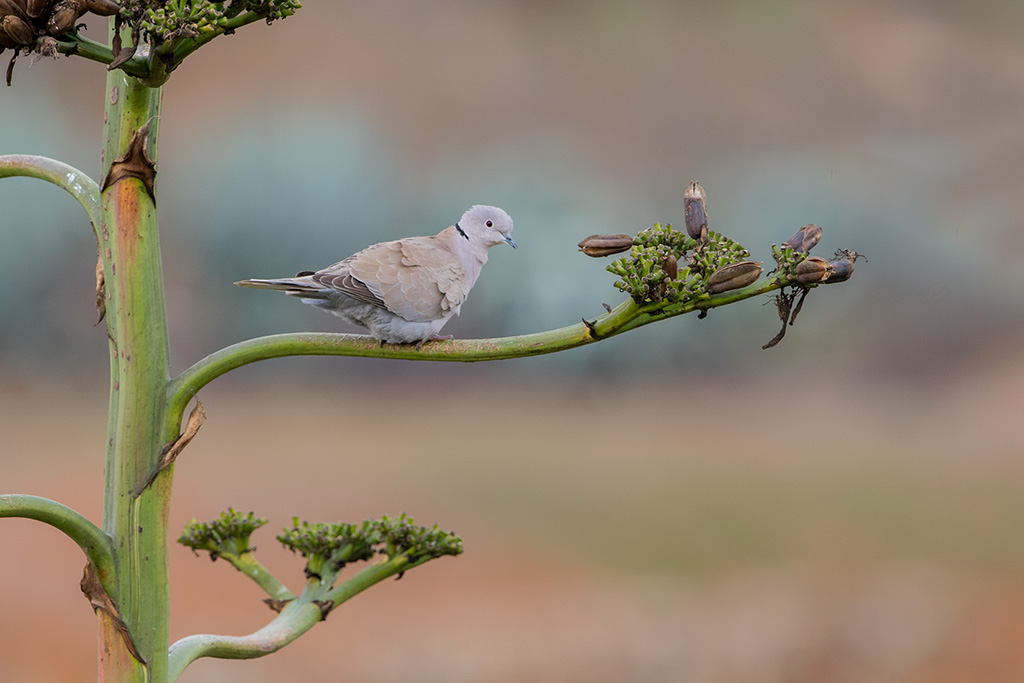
{"x": 626, "y": 316}
{"x": 139, "y": 357}
{"x": 254, "y": 569}
{"x": 80, "y": 186}
{"x": 96, "y": 545}
{"x": 296, "y": 618}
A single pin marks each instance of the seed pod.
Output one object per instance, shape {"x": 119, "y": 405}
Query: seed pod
{"x": 5, "y": 40}
{"x": 36, "y": 8}
{"x": 13, "y": 7}
{"x": 812, "y": 270}
{"x": 695, "y": 212}
{"x": 65, "y": 14}
{"x": 605, "y": 245}
{"x": 670, "y": 265}
{"x": 734, "y": 276}
{"x": 841, "y": 271}
{"x": 104, "y": 8}
{"x": 20, "y": 32}
{"x": 804, "y": 239}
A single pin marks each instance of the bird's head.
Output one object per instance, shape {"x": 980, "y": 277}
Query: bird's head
{"x": 489, "y": 224}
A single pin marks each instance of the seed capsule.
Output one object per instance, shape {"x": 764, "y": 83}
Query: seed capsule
{"x": 734, "y": 276}
{"x": 104, "y": 8}
{"x": 695, "y": 212}
{"x": 605, "y": 245}
{"x": 65, "y": 14}
{"x": 841, "y": 271}
{"x": 20, "y": 32}
{"x": 805, "y": 238}
{"x": 36, "y": 8}
{"x": 670, "y": 266}
{"x": 101, "y": 7}
{"x": 5, "y": 40}
{"x": 812, "y": 270}
{"x": 13, "y": 7}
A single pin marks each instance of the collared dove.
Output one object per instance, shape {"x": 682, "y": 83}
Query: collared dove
{"x": 406, "y": 290}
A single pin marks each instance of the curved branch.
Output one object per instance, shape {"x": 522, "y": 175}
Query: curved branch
{"x": 627, "y": 316}
{"x": 297, "y": 617}
{"x": 80, "y": 186}
{"x": 97, "y": 546}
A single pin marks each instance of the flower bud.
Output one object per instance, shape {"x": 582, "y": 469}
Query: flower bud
{"x": 813, "y": 270}
{"x": 804, "y": 239}
{"x": 733, "y": 276}
{"x": 20, "y": 32}
{"x": 841, "y": 271}
{"x": 605, "y": 245}
{"x": 695, "y": 212}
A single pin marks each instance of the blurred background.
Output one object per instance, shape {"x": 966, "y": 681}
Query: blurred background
{"x": 673, "y": 504}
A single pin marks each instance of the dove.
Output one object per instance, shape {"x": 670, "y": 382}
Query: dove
{"x": 404, "y": 291}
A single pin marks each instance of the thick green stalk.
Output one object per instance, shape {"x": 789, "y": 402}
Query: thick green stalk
{"x": 137, "y": 327}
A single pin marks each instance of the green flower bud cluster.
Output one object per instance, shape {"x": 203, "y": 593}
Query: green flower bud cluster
{"x": 719, "y": 252}
{"x": 787, "y": 259}
{"x": 329, "y": 547}
{"x": 401, "y": 536}
{"x": 668, "y": 264}
{"x": 170, "y": 20}
{"x": 228, "y": 535}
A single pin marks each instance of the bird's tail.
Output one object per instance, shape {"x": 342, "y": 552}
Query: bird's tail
{"x": 301, "y": 286}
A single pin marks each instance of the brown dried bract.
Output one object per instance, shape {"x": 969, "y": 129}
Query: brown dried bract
{"x": 173, "y": 449}
{"x": 101, "y": 601}
{"x": 134, "y": 163}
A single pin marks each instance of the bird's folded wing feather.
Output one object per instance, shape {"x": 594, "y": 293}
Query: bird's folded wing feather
{"x": 339, "y": 277}
{"x": 417, "y": 278}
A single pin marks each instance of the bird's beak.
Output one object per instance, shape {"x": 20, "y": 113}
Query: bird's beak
{"x": 511, "y": 242}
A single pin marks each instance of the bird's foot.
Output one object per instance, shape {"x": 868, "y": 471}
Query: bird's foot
{"x": 434, "y": 337}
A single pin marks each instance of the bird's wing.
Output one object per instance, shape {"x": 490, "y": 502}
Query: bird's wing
{"x": 416, "y": 278}
{"x": 339, "y": 276}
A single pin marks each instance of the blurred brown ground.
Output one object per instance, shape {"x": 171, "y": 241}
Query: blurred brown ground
{"x": 707, "y": 532}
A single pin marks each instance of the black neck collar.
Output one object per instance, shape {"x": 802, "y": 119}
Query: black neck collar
{"x": 458, "y": 229}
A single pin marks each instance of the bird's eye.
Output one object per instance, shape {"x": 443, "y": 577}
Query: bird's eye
{"x": 490, "y": 224}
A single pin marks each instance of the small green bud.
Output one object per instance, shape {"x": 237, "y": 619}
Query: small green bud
{"x": 605, "y": 245}
{"x": 734, "y": 276}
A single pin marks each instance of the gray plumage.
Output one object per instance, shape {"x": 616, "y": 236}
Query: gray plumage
{"x": 406, "y": 290}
